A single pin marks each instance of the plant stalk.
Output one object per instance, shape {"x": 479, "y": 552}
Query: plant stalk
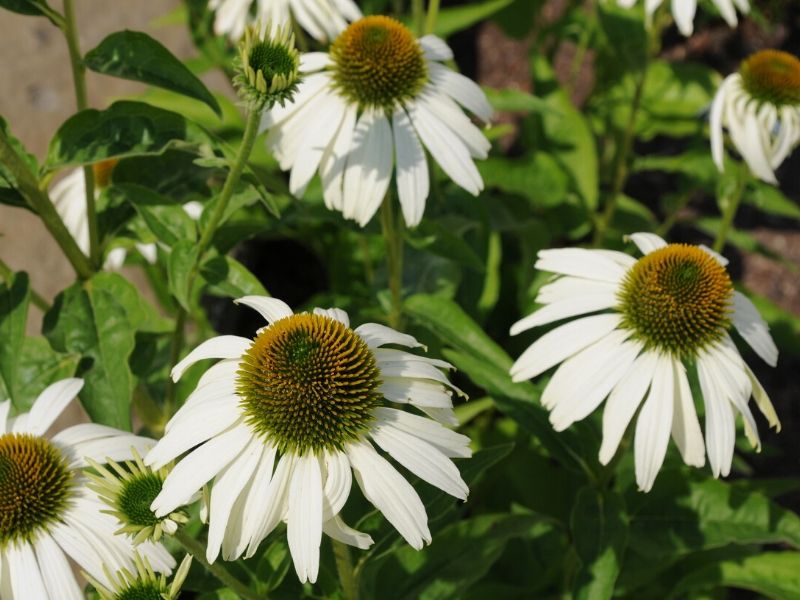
{"x": 392, "y": 229}
{"x": 196, "y": 549}
{"x": 344, "y": 566}
{"x": 418, "y": 16}
{"x": 79, "y": 80}
{"x": 38, "y": 199}
{"x": 729, "y": 210}
{"x": 430, "y": 19}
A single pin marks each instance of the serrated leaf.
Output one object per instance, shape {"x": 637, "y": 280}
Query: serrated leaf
{"x": 124, "y": 129}
{"x": 599, "y": 532}
{"x": 92, "y": 319}
{"x": 179, "y": 267}
{"x": 226, "y": 276}
{"x": 166, "y": 219}
{"x": 137, "y": 56}
{"x": 15, "y": 296}
{"x": 39, "y": 366}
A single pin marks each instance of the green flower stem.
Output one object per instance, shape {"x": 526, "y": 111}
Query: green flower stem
{"x": 620, "y": 166}
{"x": 39, "y": 302}
{"x": 246, "y": 147}
{"x": 730, "y": 206}
{"x": 79, "y": 79}
{"x": 665, "y": 227}
{"x": 196, "y": 549}
{"x": 417, "y": 16}
{"x": 430, "y": 19}
{"x": 393, "y": 235}
{"x": 344, "y": 566}
{"x": 38, "y": 199}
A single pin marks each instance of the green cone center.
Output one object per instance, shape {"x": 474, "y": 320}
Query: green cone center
{"x": 34, "y": 486}
{"x": 308, "y": 382}
{"x": 143, "y": 590}
{"x": 272, "y": 59}
{"x": 772, "y": 76}
{"x": 378, "y": 63}
{"x": 677, "y": 300}
{"x": 136, "y": 496}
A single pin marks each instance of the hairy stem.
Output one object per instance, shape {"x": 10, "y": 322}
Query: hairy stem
{"x": 196, "y": 549}
{"x": 39, "y": 201}
{"x": 392, "y": 229}
{"x": 344, "y": 566}
{"x": 79, "y": 80}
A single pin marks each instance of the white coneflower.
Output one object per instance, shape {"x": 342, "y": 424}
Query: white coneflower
{"x": 322, "y": 19}
{"x": 46, "y": 511}
{"x": 683, "y": 11}
{"x": 69, "y": 198}
{"x": 657, "y": 316}
{"x": 760, "y": 107}
{"x": 143, "y": 584}
{"x": 280, "y": 422}
{"x": 361, "y": 112}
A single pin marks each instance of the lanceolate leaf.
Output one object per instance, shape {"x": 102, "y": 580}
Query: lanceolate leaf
{"x": 15, "y": 297}
{"x": 137, "y": 56}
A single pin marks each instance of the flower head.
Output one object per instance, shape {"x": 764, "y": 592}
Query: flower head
{"x": 143, "y": 584}
{"x": 366, "y": 108}
{"x": 129, "y": 491}
{"x": 760, "y": 107}
{"x": 654, "y": 319}
{"x": 46, "y": 512}
{"x": 282, "y": 419}
{"x": 683, "y": 11}
{"x": 267, "y": 71}
{"x": 322, "y": 19}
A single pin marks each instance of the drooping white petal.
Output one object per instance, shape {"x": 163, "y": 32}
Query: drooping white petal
{"x": 117, "y": 447}
{"x": 715, "y": 121}
{"x": 390, "y": 493}
{"x": 582, "y": 381}
{"x": 334, "y": 160}
{"x": 654, "y": 424}
{"x": 314, "y": 61}
{"x": 753, "y": 328}
{"x": 447, "y": 441}
{"x": 435, "y": 48}
{"x": 225, "y": 491}
{"x": 561, "y": 343}
{"x": 253, "y": 506}
{"x": 715, "y": 255}
{"x": 421, "y": 458}
{"x": 275, "y": 504}
{"x": 647, "y": 242}
{"x": 720, "y": 426}
{"x": 334, "y": 313}
{"x": 5, "y": 407}
{"x": 683, "y": 12}
{"x": 462, "y": 89}
{"x": 564, "y": 287}
{"x": 199, "y": 467}
{"x": 50, "y": 403}
{"x": 26, "y": 579}
{"x": 623, "y": 402}
{"x": 450, "y": 114}
{"x": 56, "y": 572}
{"x": 271, "y": 309}
{"x": 413, "y": 181}
{"x": 304, "y": 520}
{"x": 369, "y": 167}
{"x": 340, "y": 531}
{"x": 727, "y": 11}
{"x": 571, "y": 307}
{"x": 685, "y": 426}
{"x": 418, "y": 392}
{"x": 307, "y": 91}
{"x": 446, "y": 416}
{"x": 580, "y": 262}
{"x": 727, "y": 366}
{"x": 375, "y": 335}
{"x": 223, "y": 346}
{"x": 338, "y": 480}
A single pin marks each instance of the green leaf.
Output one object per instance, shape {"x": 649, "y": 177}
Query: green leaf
{"x": 8, "y": 183}
{"x": 179, "y": 267}
{"x": 34, "y": 8}
{"x": 436, "y": 238}
{"x": 94, "y": 319}
{"x": 600, "y": 531}
{"x": 124, "y": 129}
{"x": 680, "y": 516}
{"x": 226, "y": 276}
{"x": 509, "y": 99}
{"x": 453, "y": 326}
{"x": 538, "y": 177}
{"x": 774, "y": 574}
{"x": 459, "y": 556}
{"x": 166, "y": 219}
{"x": 39, "y": 366}
{"x": 453, "y": 20}
{"x": 15, "y": 296}
{"x": 770, "y": 199}
{"x": 274, "y": 564}
{"x": 136, "y": 56}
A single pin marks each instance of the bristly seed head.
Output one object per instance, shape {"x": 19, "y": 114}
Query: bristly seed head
{"x": 677, "y": 300}
{"x": 378, "y": 63}
{"x": 772, "y": 76}
{"x": 35, "y": 483}
{"x": 268, "y": 67}
{"x": 308, "y": 382}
